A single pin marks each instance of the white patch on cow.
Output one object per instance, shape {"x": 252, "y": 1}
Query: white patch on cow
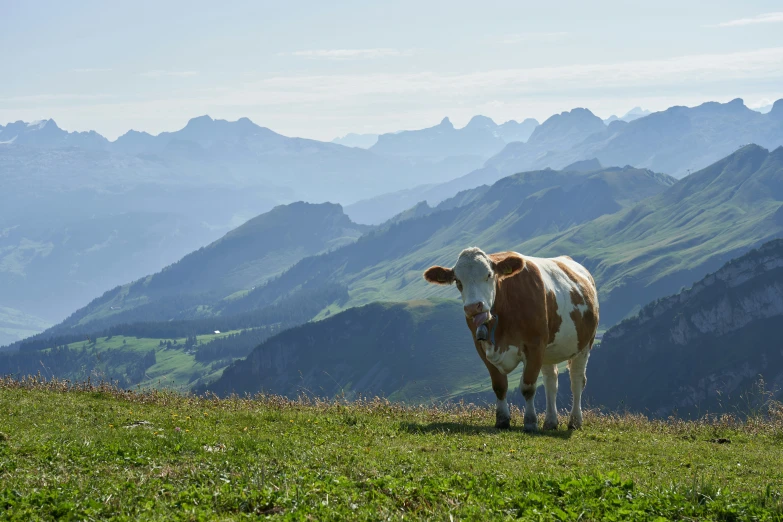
{"x": 566, "y": 343}
{"x": 549, "y": 371}
{"x": 530, "y": 419}
{"x": 501, "y": 408}
{"x": 576, "y": 371}
{"x": 475, "y": 274}
{"x": 506, "y": 361}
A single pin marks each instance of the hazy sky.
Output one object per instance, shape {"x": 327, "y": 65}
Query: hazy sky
{"x": 321, "y": 69}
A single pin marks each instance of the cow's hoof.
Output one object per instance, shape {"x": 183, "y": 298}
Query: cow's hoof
{"x": 531, "y": 427}
{"x": 550, "y": 425}
{"x": 502, "y": 423}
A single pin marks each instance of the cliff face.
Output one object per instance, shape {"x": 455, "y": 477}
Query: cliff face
{"x": 701, "y": 350}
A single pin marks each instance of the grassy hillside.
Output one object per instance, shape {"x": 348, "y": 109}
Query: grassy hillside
{"x": 418, "y": 351}
{"x": 94, "y": 452}
{"x": 132, "y": 361}
{"x": 387, "y": 264}
{"x": 205, "y": 281}
{"x": 669, "y": 241}
{"x": 219, "y": 279}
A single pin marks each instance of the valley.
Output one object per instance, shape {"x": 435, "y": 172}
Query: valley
{"x": 302, "y": 271}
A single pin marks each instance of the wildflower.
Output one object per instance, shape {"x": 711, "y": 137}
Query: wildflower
{"x": 187, "y": 431}
{"x": 176, "y": 429}
{"x": 111, "y": 425}
{"x": 174, "y": 415}
{"x": 187, "y": 418}
{"x": 245, "y": 428}
{"x": 292, "y": 420}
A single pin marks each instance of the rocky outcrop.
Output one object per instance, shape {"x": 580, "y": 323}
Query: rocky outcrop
{"x": 703, "y": 349}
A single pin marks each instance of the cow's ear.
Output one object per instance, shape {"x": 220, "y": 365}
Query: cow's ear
{"x": 509, "y": 266}
{"x": 439, "y": 276}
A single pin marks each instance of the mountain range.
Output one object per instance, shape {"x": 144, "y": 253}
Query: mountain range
{"x": 481, "y": 137}
{"x": 383, "y": 263}
{"x": 82, "y": 214}
{"x": 676, "y": 141}
{"x": 336, "y": 308}
{"x": 708, "y": 348}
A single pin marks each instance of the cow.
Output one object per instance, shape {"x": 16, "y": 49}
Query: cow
{"x": 536, "y": 311}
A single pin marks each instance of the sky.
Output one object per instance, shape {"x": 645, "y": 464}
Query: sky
{"x": 322, "y": 69}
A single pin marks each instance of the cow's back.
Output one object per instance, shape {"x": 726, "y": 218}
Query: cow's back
{"x": 571, "y": 306}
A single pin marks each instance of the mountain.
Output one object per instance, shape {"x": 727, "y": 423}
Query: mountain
{"x": 46, "y": 134}
{"x": 204, "y": 281}
{"x": 633, "y": 114}
{"x": 676, "y": 141}
{"x": 641, "y": 235}
{"x": 764, "y": 109}
{"x": 657, "y": 246}
{"x": 362, "y": 141}
{"x": 414, "y": 352}
{"x": 513, "y": 130}
{"x": 382, "y": 264}
{"x": 381, "y": 208}
{"x": 81, "y": 214}
{"x": 701, "y": 350}
{"x": 481, "y": 137}
{"x": 680, "y": 139}
{"x": 386, "y": 264}
{"x": 559, "y": 133}
{"x": 50, "y": 269}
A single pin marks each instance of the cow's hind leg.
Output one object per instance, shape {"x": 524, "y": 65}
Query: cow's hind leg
{"x": 549, "y": 371}
{"x": 577, "y": 370}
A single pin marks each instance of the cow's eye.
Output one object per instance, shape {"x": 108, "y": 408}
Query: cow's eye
{"x": 459, "y": 285}
{"x": 488, "y": 276}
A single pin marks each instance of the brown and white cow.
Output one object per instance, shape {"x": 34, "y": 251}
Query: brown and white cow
{"x": 539, "y": 312}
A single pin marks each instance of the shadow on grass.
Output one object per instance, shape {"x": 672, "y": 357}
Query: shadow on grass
{"x": 472, "y": 429}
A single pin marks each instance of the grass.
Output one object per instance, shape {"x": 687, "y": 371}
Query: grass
{"x": 90, "y": 452}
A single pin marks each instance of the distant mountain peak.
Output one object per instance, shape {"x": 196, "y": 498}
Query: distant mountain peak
{"x": 480, "y": 121}
{"x": 200, "y": 120}
{"x": 446, "y": 122}
{"x": 40, "y": 124}
{"x": 777, "y": 109}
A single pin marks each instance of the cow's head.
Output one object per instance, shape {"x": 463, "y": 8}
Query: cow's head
{"x": 476, "y": 276}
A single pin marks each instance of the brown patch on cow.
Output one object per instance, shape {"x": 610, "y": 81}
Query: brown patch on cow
{"x": 584, "y": 294}
{"x": 553, "y": 318}
{"x": 576, "y": 297}
{"x": 520, "y": 302}
{"x": 439, "y": 275}
{"x": 506, "y": 264}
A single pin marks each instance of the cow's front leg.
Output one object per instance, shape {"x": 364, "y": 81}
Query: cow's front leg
{"x": 528, "y": 387}
{"x": 500, "y": 387}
